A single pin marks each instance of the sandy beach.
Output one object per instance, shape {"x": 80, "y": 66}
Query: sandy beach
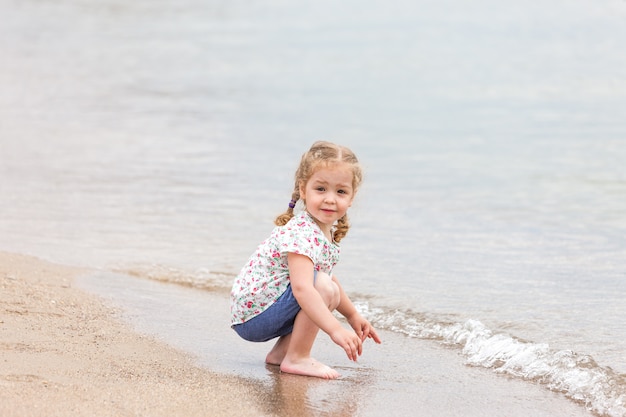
{"x": 63, "y": 352}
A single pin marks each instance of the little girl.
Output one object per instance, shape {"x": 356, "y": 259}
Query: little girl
{"x": 287, "y": 289}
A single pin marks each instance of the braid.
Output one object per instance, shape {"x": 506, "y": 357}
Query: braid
{"x": 283, "y": 218}
{"x": 341, "y": 229}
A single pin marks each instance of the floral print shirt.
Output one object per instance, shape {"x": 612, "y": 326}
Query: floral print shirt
{"x": 265, "y": 277}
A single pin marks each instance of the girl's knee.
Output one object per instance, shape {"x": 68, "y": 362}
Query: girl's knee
{"x": 328, "y": 289}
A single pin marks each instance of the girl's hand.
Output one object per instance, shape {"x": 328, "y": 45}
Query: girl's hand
{"x": 349, "y": 342}
{"x": 363, "y": 328}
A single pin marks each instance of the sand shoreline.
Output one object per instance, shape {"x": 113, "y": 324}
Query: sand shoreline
{"x": 67, "y": 351}
{"x": 64, "y": 352}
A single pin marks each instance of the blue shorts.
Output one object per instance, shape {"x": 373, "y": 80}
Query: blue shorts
{"x": 274, "y": 322}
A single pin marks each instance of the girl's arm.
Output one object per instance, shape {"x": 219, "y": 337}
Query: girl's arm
{"x": 346, "y": 308}
{"x": 313, "y": 305}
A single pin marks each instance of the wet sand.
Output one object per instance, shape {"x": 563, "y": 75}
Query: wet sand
{"x": 79, "y": 342}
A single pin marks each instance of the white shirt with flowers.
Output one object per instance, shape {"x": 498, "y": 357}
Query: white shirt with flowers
{"x": 265, "y": 277}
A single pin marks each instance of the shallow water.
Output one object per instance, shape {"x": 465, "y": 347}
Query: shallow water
{"x": 408, "y": 376}
{"x": 159, "y": 139}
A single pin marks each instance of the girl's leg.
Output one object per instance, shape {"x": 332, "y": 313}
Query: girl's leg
{"x": 297, "y": 346}
{"x": 278, "y": 352}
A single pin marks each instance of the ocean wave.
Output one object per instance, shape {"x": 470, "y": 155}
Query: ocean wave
{"x": 577, "y": 376}
{"x": 203, "y": 279}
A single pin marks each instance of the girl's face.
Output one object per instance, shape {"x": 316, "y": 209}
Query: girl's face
{"x": 328, "y": 194}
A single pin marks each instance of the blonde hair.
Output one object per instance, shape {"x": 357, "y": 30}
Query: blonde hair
{"x": 323, "y": 153}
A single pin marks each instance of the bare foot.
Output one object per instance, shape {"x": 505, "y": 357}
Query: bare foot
{"x": 274, "y": 358}
{"x": 308, "y": 367}
{"x": 278, "y": 352}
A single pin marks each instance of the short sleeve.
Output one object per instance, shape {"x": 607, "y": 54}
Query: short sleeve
{"x": 301, "y": 239}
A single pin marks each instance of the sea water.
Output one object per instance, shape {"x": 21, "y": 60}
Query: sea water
{"x": 159, "y": 140}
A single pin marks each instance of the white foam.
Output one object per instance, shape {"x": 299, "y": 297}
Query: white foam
{"x": 577, "y": 376}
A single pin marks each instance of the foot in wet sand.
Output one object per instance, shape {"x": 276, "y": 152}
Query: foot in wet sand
{"x": 273, "y": 358}
{"x": 278, "y": 352}
{"x": 308, "y": 367}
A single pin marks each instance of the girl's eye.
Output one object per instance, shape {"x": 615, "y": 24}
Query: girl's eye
{"x": 320, "y": 189}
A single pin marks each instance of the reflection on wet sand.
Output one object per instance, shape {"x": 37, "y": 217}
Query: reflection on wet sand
{"x": 293, "y": 395}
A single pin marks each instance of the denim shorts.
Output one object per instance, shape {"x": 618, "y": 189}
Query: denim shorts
{"x": 274, "y": 322}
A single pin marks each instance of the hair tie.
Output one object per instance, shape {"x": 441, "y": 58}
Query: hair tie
{"x": 292, "y": 203}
